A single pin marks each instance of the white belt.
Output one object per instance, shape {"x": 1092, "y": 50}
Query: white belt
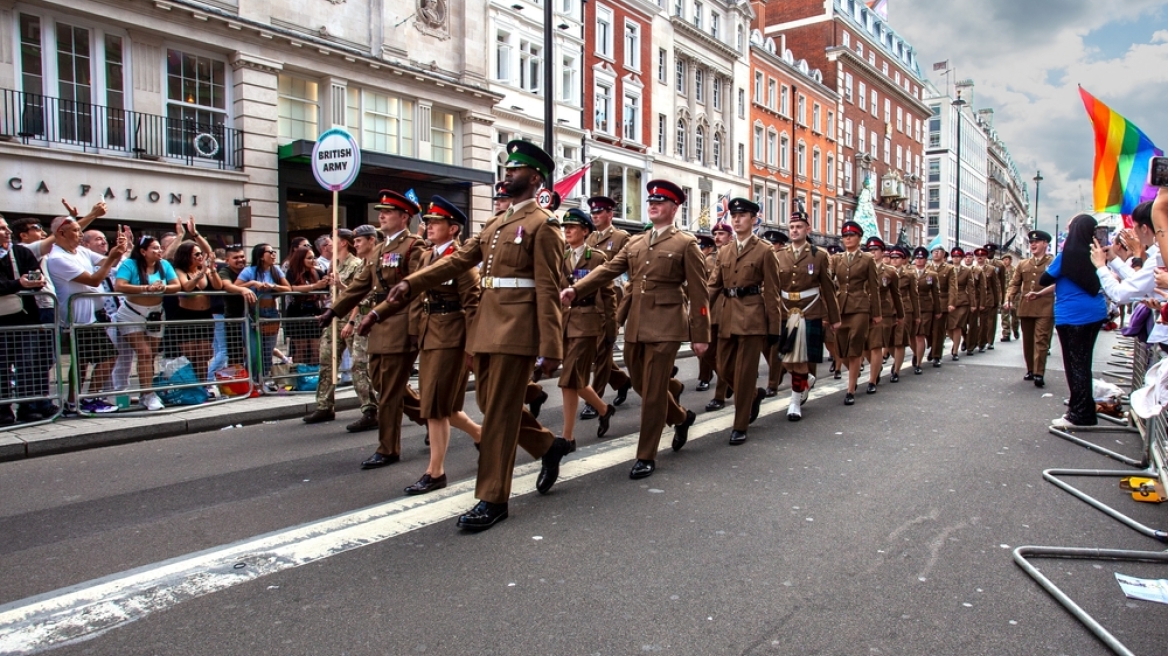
{"x": 508, "y": 283}
{"x": 798, "y": 296}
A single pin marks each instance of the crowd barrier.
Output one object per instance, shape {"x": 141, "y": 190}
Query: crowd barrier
{"x": 31, "y": 363}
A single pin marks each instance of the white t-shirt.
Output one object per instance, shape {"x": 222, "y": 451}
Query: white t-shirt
{"x": 62, "y": 267}
{"x": 36, "y": 248}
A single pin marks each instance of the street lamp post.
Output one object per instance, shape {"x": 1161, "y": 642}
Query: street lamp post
{"x": 959, "y": 104}
{"x": 1056, "y": 222}
{"x": 549, "y": 85}
{"x": 1037, "y": 182}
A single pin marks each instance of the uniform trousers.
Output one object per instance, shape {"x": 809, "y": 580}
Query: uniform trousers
{"x": 738, "y": 362}
{"x": 359, "y": 371}
{"x": 937, "y": 339}
{"x": 650, "y": 364}
{"x": 972, "y": 333}
{"x": 708, "y": 362}
{"x": 989, "y": 326}
{"x": 500, "y": 383}
{"x": 605, "y": 373}
{"x": 774, "y": 368}
{"x": 1036, "y": 333}
{"x": 390, "y": 375}
{"x": 1010, "y": 322}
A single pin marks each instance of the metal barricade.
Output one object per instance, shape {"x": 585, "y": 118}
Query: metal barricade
{"x": 168, "y": 355}
{"x": 30, "y": 362}
{"x": 289, "y": 337}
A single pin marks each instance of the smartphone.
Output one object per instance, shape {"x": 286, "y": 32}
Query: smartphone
{"x": 1158, "y": 172}
{"x": 1103, "y": 235}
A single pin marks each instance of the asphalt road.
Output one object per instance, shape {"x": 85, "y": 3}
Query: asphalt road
{"x": 883, "y": 528}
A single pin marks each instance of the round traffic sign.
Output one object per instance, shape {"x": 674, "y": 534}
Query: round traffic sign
{"x": 336, "y": 159}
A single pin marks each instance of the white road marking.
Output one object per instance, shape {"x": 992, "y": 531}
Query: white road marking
{"x": 87, "y": 610}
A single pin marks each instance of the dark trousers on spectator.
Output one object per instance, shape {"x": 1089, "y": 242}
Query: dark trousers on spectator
{"x": 1078, "y": 346}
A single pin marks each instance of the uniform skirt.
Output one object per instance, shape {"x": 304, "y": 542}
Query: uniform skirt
{"x": 442, "y": 378}
{"x": 579, "y": 356}
{"x": 852, "y": 335}
{"x": 902, "y": 335}
{"x": 958, "y": 318}
{"x": 925, "y": 329}
{"x": 880, "y": 335}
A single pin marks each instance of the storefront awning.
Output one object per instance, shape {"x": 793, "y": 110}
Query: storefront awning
{"x": 405, "y": 169}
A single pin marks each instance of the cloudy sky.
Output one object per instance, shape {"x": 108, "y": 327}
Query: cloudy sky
{"x": 1027, "y": 58}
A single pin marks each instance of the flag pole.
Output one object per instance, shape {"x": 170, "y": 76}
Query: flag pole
{"x": 333, "y": 297}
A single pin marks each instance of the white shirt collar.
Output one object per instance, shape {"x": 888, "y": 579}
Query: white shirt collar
{"x": 395, "y": 235}
{"x": 442, "y": 249}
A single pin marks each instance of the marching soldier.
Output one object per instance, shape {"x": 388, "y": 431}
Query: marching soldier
{"x": 977, "y": 302}
{"x": 1010, "y": 324}
{"x": 806, "y": 299}
{"x": 443, "y": 316}
{"x": 707, "y": 362}
{"x": 992, "y": 294}
{"x": 946, "y": 290}
{"x": 880, "y": 337}
{"x": 518, "y": 319}
{"x": 929, "y": 303}
{"x": 393, "y": 345}
{"x": 829, "y": 337}
{"x": 745, "y": 288}
{"x": 1035, "y": 307}
{"x": 859, "y": 302}
{"x": 998, "y": 292}
{"x": 658, "y": 262}
{"x": 608, "y": 240}
{"x": 776, "y": 371}
{"x": 962, "y": 296}
{"x": 723, "y": 236}
{"x": 589, "y": 322}
{"x": 906, "y": 329}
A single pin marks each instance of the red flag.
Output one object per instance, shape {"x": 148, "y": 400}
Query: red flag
{"x": 565, "y": 186}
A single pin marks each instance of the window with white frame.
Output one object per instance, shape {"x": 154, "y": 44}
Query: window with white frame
{"x": 887, "y": 150}
{"x": 443, "y": 132}
{"x": 829, "y": 219}
{"x": 848, "y": 132}
{"x": 502, "y": 56}
{"x": 758, "y": 147}
{"x": 829, "y": 178}
{"x": 899, "y": 158}
{"x": 662, "y": 65}
{"x": 681, "y": 138}
{"x": 679, "y": 8}
{"x": 387, "y": 124}
{"x": 887, "y": 111}
{"x": 770, "y": 99}
{"x": 739, "y": 40}
{"x": 632, "y": 45}
{"x": 604, "y": 23}
{"x": 699, "y": 85}
{"x": 816, "y": 118}
{"x": 741, "y": 103}
{"x": 530, "y": 66}
{"x": 196, "y": 92}
{"x": 680, "y": 75}
{"x": 769, "y": 208}
{"x": 862, "y": 97}
{"x": 863, "y": 139}
{"x": 874, "y": 144}
{"x": 662, "y": 122}
{"x": 848, "y": 86}
{"x": 715, "y": 25}
{"x": 570, "y": 79}
{"x": 784, "y": 205}
{"x": 772, "y": 153}
{"x": 785, "y": 101}
{"x": 846, "y": 39}
{"x": 716, "y": 92}
{"x": 297, "y": 109}
{"x": 831, "y": 125}
{"x": 816, "y": 215}
{"x": 816, "y": 161}
{"x": 900, "y": 119}
{"x": 716, "y": 151}
{"x": 631, "y": 117}
{"x": 784, "y": 152}
{"x": 602, "y": 107}
{"x": 801, "y": 160}
{"x": 848, "y": 174}
{"x": 758, "y": 87}
{"x": 700, "y": 145}
{"x": 860, "y": 48}
{"x": 873, "y": 106}
{"x": 697, "y": 15}
{"x": 802, "y": 109}
{"x": 884, "y": 68}
{"x": 741, "y": 162}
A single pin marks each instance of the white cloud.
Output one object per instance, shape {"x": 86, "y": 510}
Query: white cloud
{"x": 1026, "y": 58}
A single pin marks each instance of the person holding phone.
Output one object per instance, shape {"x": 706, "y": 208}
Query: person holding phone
{"x": 144, "y": 277}
{"x": 194, "y": 265}
{"x": 19, "y": 272}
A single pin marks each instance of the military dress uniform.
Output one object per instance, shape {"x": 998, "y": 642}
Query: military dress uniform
{"x": 357, "y": 346}
{"x": 607, "y": 242}
{"x": 962, "y": 297}
{"x": 1036, "y": 316}
{"x": 706, "y": 363}
{"x": 659, "y": 263}
{"x": 929, "y": 299}
{"x": 392, "y": 347}
{"x": 880, "y": 336}
{"x": 721, "y": 388}
{"x": 907, "y": 288}
{"x": 745, "y": 290}
{"x": 859, "y": 300}
{"x": 807, "y": 290}
{"x": 588, "y": 322}
{"x": 946, "y": 293}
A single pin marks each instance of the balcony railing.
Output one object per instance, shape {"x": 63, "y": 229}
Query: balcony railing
{"x": 38, "y": 119}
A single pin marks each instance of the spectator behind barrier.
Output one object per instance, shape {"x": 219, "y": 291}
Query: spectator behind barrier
{"x": 265, "y": 279}
{"x": 324, "y": 251}
{"x": 19, "y": 271}
{"x": 304, "y": 336}
{"x": 293, "y": 246}
{"x": 144, "y": 277}
{"x": 234, "y": 307}
{"x": 196, "y": 273}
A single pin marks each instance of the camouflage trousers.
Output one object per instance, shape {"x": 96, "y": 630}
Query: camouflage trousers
{"x": 359, "y": 355}
{"x": 1010, "y": 323}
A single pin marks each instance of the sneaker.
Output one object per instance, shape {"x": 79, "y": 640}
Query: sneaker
{"x": 806, "y": 394}
{"x": 1063, "y": 422}
{"x": 212, "y": 392}
{"x": 97, "y": 406}
{"x": 150, "y": 401}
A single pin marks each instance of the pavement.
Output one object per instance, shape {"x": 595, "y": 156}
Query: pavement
{"x": 884, "y": 528}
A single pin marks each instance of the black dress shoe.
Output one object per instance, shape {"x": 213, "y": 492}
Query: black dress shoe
{"x": 642, "y": 469}
{"x": 981, "y": 349}
{"x": 772, "y": 392}
{"x": 426, "y": 484}
{"x": 871, "y": 388}
{"x": 737, "y": 437}
{"x": 319, "y": 416}
{"x": 1039, "y": 381}
{"x": 571, "y": 445}
{"x": 990, "y": 347}
{"x": 588, "y": 412}
{"x": 1006, "y": 338}
{"x": 754, "y": 407}
{"x": 6, "y": 416}
{"x": 917, "y": 371}
{"x": 673, "y": 373}
{"x": 703, "y": 385}
{"x": 1028, "y": 376}
{"x": 602, "y": 429}
{"x": 894, "y": 377}
{"x": 729, "y": 393}
{"x": 969, "y": 353}
{"x": 28, "y": 416}
{"x": 427, "y": 436}
{"x": 483, "y": 516}
{"x": 551, "y": 464}
{"x": 837, "y": 375}
{"x": 368, "y": 421}
{"x": 955, "y": 358}
{"x": 622, "y": 393}
{"x": 536, "y": 405}
{"x": 681, "y": 431}
{"x": 379, "y": 460}
{"x": 849, "y": 399}
{"x": 937, "y": 363}
{"x": 715, "y": 404}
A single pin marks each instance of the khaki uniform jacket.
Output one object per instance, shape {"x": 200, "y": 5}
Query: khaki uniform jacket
{"x": 523, "y": 242}
{"x": 946, "y": 284}
{"x": 907, "y": 290}
{"x": 609, "y": 241}
{"x": 388, "y": 265}
{"x": 445, "y": 330}
{"x": 593, "y": 315}
{"x": 859, "y": 286}
{"x": 1026, "y": 276}
{"x": 928, "y": 292}
{"x": 890, "y": 299}
{"x": 757, "y": 314}
{"x": 965, "y": 278}
{"x": 657, "y": 307}
{"x": 992, "y": 285}
{"x": 809, "y": 269}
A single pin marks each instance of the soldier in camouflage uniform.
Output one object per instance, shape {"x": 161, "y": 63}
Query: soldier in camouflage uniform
{"x": 1010, "y": 321}
{"x": 347, "y": 266}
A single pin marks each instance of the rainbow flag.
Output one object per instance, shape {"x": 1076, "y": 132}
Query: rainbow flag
{"x": 1122, "y": 152}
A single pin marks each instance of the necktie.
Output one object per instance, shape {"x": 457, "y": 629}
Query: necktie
{"x": 510, "y": 212}
{"x": 652, "y": 236}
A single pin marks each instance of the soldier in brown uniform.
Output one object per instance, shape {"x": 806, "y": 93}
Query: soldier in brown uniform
{"x": 880, "y": 337}
{"x": 745, "y": 288}
{"x": 928, "y": 302}
{"x": 608, "y": 240}
{"x": 588, "y": 322}
{"x": 443, "y": 316}
{"x": 658, "y": 262}
{"x": 776, "y": 370}
{"x": 999, "y": 270}
{"x": 806, "y": 299}
{"x": 706, "y": 362}
{"x": 1010, "y": 324}
{"x": 977, "y": 302}
{"x": 946, "y": 290}
{"x": 991, "y": 299}
{"x": 393, "y": 344}
{"x": 723, "y": 237}
{"x": 962, "y": 296}
{"x": 829, "y": 337}
{"x": 518, "y": 319}
{"x": 1035, "y": 309}
{"x": 859, "y": 303}
{"x": 906, "y": 329}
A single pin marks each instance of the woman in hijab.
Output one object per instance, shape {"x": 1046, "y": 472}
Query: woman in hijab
{"x": 1080, "y": 308}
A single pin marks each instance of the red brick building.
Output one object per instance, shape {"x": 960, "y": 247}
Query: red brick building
{"x": 881, "y": 116}
{"x": 793, "y": 148}
{"x": 618, "y": 65}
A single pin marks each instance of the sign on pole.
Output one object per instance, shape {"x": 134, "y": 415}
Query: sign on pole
{"x": 336, "y": 159}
